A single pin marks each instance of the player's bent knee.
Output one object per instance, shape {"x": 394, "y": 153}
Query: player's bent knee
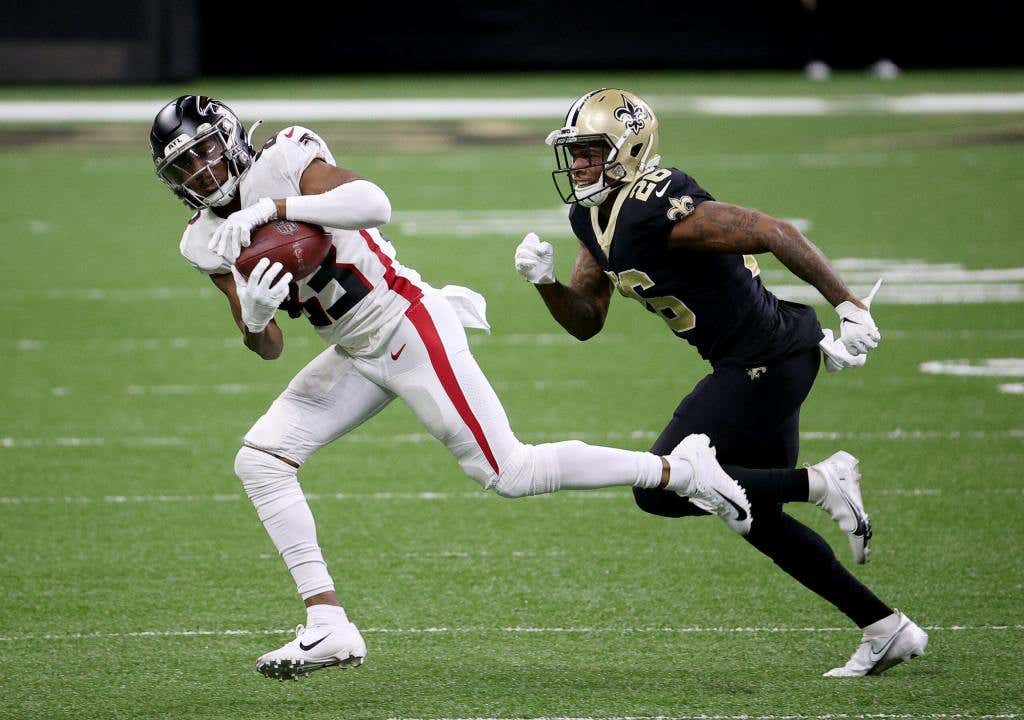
{"x": 528, "y": 470}
{"x": 647, "y": 500}
{"x": 270, "y": 483}
{"x": 663, "y": 503}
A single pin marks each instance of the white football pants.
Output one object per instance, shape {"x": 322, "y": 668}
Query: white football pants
{"x": 428, "y": 364}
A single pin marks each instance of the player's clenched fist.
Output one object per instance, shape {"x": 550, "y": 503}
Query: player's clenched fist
{"x": 535, "y": 260}
{"x": 258, "y": 298}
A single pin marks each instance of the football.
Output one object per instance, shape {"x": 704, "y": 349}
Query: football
{"x": 300, "y": 247}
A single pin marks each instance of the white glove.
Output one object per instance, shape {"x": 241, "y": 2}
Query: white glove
{"x": 233, "y": 234}
{"x": 857, "y": 329}
{"x": 837, "y": 357}
{"x": 258, "y": 298}
{"x": 535, "y": 260}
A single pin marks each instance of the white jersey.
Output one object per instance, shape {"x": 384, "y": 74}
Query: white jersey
{"x": 359, "y": 293}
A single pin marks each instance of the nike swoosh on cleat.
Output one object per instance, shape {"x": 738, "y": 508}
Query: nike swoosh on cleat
{"x": 664, "y": 189}
{"x": 394, "y": 355}
{"x": 741, "y": 514}
{"x": 307, "y": 648}
{"x": 876, "y": 657}
{"x": 861, "y": 528}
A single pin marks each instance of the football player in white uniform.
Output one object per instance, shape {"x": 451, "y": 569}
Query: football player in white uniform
{"x": 389, "y": 334}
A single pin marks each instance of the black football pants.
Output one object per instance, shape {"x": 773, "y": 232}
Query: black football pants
{"x": 752, "y": 415}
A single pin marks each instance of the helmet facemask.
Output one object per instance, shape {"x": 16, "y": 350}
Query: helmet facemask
{"x": 569, "y": 187}
{"x": 191, "y": 169}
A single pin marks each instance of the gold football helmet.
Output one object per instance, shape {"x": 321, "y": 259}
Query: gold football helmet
{"x": 626, "y": 128}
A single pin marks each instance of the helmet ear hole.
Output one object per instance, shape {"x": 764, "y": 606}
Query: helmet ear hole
{"x": 635, "y": 150}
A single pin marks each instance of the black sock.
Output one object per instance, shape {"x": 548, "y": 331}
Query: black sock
{"x": 771, "y": 487}
{"x": 806, "y": 556}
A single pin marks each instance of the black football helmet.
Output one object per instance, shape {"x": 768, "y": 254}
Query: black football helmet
{"x": 191, "y": 137}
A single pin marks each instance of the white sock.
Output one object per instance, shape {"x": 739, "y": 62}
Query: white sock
{"x": 816, "y": 485}
{"x": 273, "y": 487}
{"x": 884, "y": 627}
{"x": 680, "y": 474}
{"x": 325, "y": 615}
{"x": 575, "y": 465}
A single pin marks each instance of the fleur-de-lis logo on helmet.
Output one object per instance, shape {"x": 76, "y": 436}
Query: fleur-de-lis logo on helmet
{"x": 631, "y": 115}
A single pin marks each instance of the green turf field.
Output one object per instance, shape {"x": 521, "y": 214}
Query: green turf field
{"x": 137, "y": 582}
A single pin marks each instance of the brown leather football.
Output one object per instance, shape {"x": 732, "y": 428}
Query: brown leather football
{"x": 300, "y": 247}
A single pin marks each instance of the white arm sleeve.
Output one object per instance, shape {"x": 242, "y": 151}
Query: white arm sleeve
{"x": 352, "y": 206}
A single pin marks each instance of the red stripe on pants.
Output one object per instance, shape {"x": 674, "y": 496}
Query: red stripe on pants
{"x": 424, "y": 325}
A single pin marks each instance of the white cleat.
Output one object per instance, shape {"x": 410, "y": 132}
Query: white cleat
{"x": 314, "y": 648}
{"x": 711, "y": 488}
{"x": 843, "y": 502}
{"x": 876, "y": 655}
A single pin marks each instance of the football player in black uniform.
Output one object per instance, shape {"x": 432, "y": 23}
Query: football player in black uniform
{"x": 658, "y": 237}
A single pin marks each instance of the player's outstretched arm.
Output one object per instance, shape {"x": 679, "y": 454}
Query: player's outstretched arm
{"x": 268, "y": 343}
{"x": 724, "y": 228}
{"x": 582, "y": 306}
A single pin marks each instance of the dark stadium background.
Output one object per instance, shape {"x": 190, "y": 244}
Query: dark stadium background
{"x": 119, "y": 40}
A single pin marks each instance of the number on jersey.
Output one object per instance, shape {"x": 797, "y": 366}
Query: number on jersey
{"x": 645, "y": 185}
{"x": 672, "y": 310}
{"x": 355, "y": 285}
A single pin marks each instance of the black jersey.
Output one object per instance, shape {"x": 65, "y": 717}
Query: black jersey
{"x": 714, "y": 301}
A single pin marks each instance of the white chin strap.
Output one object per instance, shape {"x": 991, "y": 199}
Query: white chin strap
{"x": 224, "y": 194}
{"x": 594, "y": 194}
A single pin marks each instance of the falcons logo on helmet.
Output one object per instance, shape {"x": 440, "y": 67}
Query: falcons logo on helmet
{"x": 632, "y": 116}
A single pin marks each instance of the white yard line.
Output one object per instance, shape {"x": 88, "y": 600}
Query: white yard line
{"x": 973, "y": 291}
{"x": 175, "y": 294}
{"x": 130, "y": 344}
{"x": 86, "y": 442}
{"x": 917, "y": 275}
{"x": 249, "y": 388}
{"x": 548, "y": 108}
{"x": 552, "y": 222}
{"x": 127, "y": 345}
{"x": 476, "y": 495}
{"x": 989, "y": 367}
{"x": 896, "y": 435}
{"x": 253, "y": 389}
{"x": 908, "y": 282}
{"x": 512, "y": 630}
{"x": 916, "y": 293}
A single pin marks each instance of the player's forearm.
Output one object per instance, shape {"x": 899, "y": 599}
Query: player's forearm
{"x": 268, "y": 344}
{"x": 724, "y": 228}
{"x": 580, "y": 316}
{"x": 807, "y": 262}
{"x": 354, "y": 205}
